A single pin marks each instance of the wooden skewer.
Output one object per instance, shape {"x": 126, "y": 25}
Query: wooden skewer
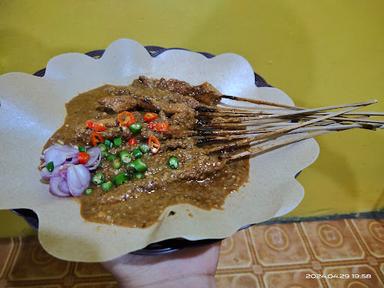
{"x": 210, "y": 130}
{"x": 361, "y": 120}
{"x": 259, "y": 102}
{"x": 279, "y": 132}
{"x": 242, "y": 124}
{"x": 207, "y": 131}
{"x": 254, "y": 119}
{"x": 245, "y": 118}
{"x": 273, "y": 104}
{"x": 251, "y": 115}
{"x": 364, "y": 113}
{"x": 269, "y": 146}
{"x": 226, "y": 135}
{"x": 258, "y": 125}
{"x": 211, "y": 109}
{"x": 261, "y": 108}
{"x": 315, "y": 110}
{"x": 300, "y": 112}
{"x": 256, "y": 122}
{"x": 232, "y": 114}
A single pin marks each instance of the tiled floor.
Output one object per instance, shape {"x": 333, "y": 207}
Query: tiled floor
{"x": 273, "y": 256}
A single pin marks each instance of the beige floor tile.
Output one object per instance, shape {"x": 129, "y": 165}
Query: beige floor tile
{"x": 282, "y": 259}
{"x": 235, "y": 253}
{"x": 3, "y": 283}
{"x": 34, "y": 286}
{"x": 355, "y": 274}
{"x": 372, "y": 233}
{"x": 33, "y": 263}
{"x": 97, "y": 285}
{"x": 6, "y": 246}
{"x": 243, "y": 280}
{"x": 291, "y": 279}
{"x": 90, "y": 270}
{"x": 279, "y": 244}
{"x": 332, "y": 240}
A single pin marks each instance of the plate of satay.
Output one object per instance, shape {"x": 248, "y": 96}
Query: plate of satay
{"x": 154, "y": 149}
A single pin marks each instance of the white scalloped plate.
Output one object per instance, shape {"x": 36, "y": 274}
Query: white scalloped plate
{"x": 32, "y": 108}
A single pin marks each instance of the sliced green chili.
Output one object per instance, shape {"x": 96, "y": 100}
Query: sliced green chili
{"x": 50, "y": 166}
{"x": 98, "y": 178}
{"x": 111, "y": 157}
{"x": 137, "y": 153}
{"x": 139, "y": 175}
{"x": 120, "y": 178}
{"x": 125, "y": 157}
{"x": 117, "y": 141}
{"x": 116, "y": 163}
{"x": 81, "y": 149}
{"x": 108, "y": 143}
{"x": 104, "y": 154}
{"x": 135, "y": 128}
{"x": 103, "y": 147}
{"x": 173, "y": 162}
{"x": 144, "y": 148}
{"x": 106, "y": 186}
{"x": 88, "y": 191}
{"x": 139, "y": 165}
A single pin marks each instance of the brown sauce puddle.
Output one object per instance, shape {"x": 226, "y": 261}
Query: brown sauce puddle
{"x": 143, "y": 209}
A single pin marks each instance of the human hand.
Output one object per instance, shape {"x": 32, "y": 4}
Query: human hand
{"x": 190, "y": 267}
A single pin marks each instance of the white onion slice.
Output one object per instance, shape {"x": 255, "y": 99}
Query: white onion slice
{"x": 78, "y": 178}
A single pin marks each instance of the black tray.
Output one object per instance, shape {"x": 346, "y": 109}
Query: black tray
{"x": 165, "y": 246}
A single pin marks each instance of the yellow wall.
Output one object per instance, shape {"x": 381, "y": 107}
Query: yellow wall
{"x": 319, "y": 52}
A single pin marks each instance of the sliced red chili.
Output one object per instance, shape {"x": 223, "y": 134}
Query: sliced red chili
{"x": 99, "y": 127}
{"x": 132, "y": 141}
{"x": 150, "y": 116}
{"x": 96, "y": 138}
{"x": 126, "y": 118}
{"x": 159, "y": 126}
{"x": 89, "y": 124}
{"x": 83, "y": 157}
{"x": 162, "y": 127}
{"x": 154, "y": 144}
